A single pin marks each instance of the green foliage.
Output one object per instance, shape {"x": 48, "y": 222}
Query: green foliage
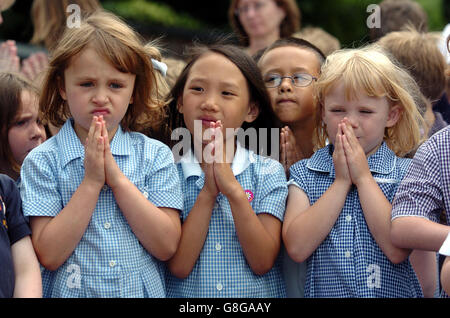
{"x": 152, "y": 13}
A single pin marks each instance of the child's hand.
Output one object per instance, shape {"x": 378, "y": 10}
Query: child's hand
{"x": 113, "y": 174}
{"x": 356, "y": 158}
{"x": 94, "y": 165}
{"x": 225, "y": 179}
{"x": 210, "y": 186}
{"x": 289, "y": 154}
{"x": 340, "y": 160}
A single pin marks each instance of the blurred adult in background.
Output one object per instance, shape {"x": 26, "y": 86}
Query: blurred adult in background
{"x": 49, "y": 21}
{"x": 259, "y": 23}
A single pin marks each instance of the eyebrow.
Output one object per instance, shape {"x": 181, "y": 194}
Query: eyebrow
{"x": 222, "y": 82}
{"x": 296, "y": 70}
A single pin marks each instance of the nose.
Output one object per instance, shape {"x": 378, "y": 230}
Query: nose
{"x": 38, "y": 132}
{"x": 285, "y": 85}
{"x": 100, "y": 97}
{"x": 353, "y": 120}
{"x": 209, "y": 104}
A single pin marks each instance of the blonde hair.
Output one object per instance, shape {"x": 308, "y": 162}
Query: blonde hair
{"x": 49, "y": 18}
{"x": 320, "y": 38}
{"x": 420, "y": 55}
{"x": 117, "y": 43}
{"x": 372, "y": 71}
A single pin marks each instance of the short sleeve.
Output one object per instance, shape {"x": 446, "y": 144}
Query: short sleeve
{"x": 419, "y": 194}
{"x": 39, "y": 189}
{"x": 298, "y": 176}
{"x": 272, "y": 189}
{"x": 15, "y": 221}
{"x": 163, "y": 183}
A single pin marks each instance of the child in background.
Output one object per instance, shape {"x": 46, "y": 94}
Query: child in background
{"x": 20, "y": 275}
{"x": 102, "y": 199}
{"x": 234, "y": 205}
{"x": 21, "y": 129}
{"x": 338, "y": 211}
{"x": 289, "y": 68}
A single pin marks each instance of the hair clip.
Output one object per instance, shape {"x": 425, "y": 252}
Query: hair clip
{"x": 160, "y": 66}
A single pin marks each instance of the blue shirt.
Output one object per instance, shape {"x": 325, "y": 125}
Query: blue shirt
{"x": 349, "y": 262}
{"x": 109, "y": 261}
{"x": 425, "y": 190}
{"x": 13, "y": 227}
{"x": 221, "y": 269}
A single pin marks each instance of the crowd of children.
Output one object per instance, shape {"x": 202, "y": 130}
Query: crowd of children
{"x": 338, "y": 188}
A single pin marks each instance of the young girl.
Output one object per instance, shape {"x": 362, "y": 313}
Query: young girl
{"x": 234, "y": 205}
{"x": 21, "y": 129}
{"x": 338, "y": 211}
{"x": 292, "y": 100}
{"x": 103, "y": 201}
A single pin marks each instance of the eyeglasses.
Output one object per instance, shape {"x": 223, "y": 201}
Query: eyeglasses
{"x": 299, "y": 79}
{"x": 257, "y": 6}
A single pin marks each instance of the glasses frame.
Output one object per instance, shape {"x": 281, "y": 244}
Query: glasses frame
{"x": 292, "y": 78}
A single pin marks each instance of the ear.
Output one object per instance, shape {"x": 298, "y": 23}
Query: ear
{"x": 180, "y": 105}
{"x": 394, "y": 115}
{"x": 253, "y": 112}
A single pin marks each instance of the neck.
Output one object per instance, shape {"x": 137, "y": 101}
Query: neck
{"x": 259, "y": 43}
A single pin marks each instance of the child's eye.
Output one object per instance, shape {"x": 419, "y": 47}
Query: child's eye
{"x": 86, "y": 84}
{"x": 115, "y": 85}
{"x": 20, "y": 123}
{"x": 366, "y": 112}
{"x": 226, "y": 93}
{"x": 336, "y": 110}
{"x": 197, "y": 89}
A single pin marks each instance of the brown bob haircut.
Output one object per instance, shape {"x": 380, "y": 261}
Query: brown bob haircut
{"x": 289, "y": 25}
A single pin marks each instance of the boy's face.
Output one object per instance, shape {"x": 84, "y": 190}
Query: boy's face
{"x": 292, "y": 105}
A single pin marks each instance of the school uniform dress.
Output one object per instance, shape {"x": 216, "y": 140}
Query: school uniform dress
{"x": 13, "y": 227}
{"x": 349, "y": 262}
{"x": 109, "y": 261}
{"x": 221, "y": 269}
{"x": 425, "y": 190}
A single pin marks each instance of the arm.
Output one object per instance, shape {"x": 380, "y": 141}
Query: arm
{"x": 306, "y": 227}
{"x": 445, "y": 275}
{"x": 424, "y": 264}
{"x": 375, "y": 206}
{"x": 157, "y": 228}
{"x": 28, "y": 281}
{"x": 55, "y": 239}
{"x": 418, "y": 233}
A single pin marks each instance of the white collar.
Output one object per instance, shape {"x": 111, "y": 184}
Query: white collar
{"x": 242, "y": 159}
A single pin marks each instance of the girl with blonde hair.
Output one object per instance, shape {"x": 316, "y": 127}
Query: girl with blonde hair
{"x": 338, "y": 210}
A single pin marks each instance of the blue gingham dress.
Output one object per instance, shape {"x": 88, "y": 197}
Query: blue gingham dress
{"x": 221, "y": 269}
{"x": 425, "y": 190}
{"x": 349, "y": 263}
{"x": 109, "y": 261}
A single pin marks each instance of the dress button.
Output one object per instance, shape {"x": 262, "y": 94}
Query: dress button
{"x": 347, "y": 254}
{"x": 219, "y": 286}
{"x": 218, "y": 247}
{"x": 145, "y": 194}
{"x": 112, "y": 263}
{"x": 107, "y": 225}
{"x": 348, "y": 218}
{"x": 105, "y": 188}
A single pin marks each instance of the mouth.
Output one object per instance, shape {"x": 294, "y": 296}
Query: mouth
{"x": 100, "y": 112}
{"x": 286, "y": 101}
{"x": 206, "y": 121}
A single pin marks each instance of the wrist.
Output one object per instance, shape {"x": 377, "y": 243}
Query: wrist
{"x": 207, "y": 197}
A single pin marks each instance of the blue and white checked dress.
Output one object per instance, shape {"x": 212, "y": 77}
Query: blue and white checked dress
{"x": 425, "y": 190}
{"x": 109, "y": 261}
{"x": 349, "y": 263}
{"x": 221, "y": 269}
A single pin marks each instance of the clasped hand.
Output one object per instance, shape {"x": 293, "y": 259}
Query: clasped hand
{"x": 349, "y": 158}
{"x": 100, "y": 166}
{"x": 219, "y": 176}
